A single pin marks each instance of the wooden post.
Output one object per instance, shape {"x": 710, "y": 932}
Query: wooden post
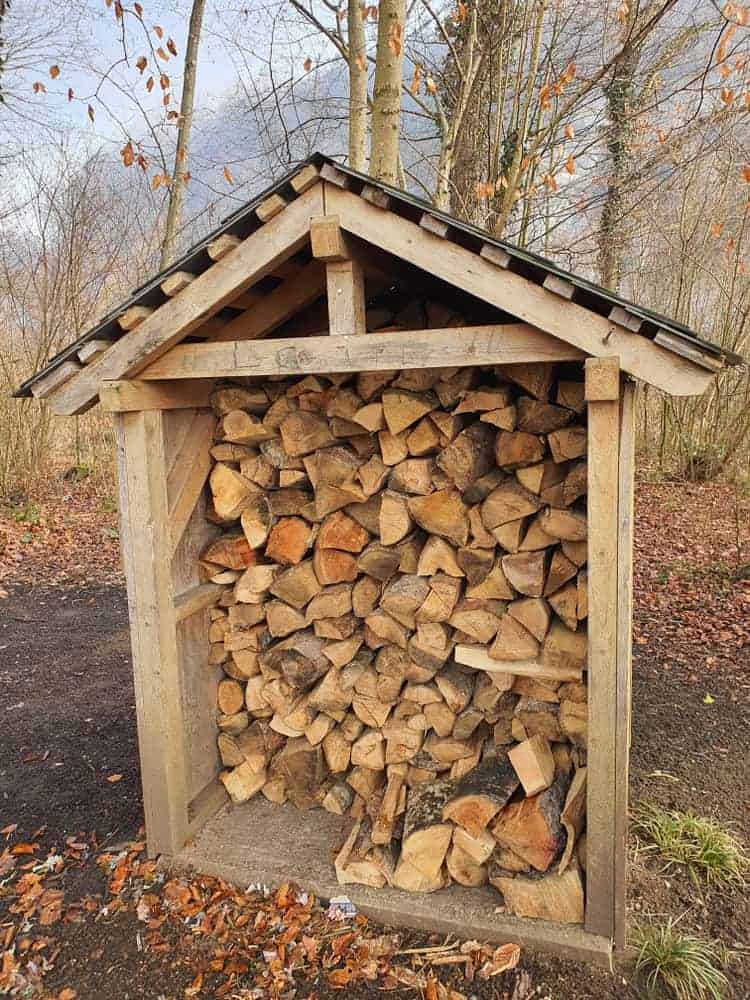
{"x": 345, "y": 281}
{"x": 602, "y": 395}
{"x": 624, "y": 648}
{"x": 146, "y": 548}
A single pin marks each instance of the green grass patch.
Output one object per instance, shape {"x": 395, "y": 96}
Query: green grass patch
{"x": 681, "y": 965}
{"x": 707, "y": 851}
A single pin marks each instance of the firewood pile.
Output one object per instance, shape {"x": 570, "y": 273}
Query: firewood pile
{"x": 403, "y": 630}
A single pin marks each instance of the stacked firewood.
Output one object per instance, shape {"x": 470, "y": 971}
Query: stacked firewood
{"x": 403, "y": 626}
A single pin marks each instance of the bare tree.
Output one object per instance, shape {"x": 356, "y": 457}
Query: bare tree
{"x": 387, "y": 89}
{"x": 358, "y": 95}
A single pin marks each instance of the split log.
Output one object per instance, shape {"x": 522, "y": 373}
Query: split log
{"x": 509, "y": 501}
{"x": 378, "y": 561}
{"x": 567, "y": 525}
{"x": 539, "y": 718}
{"x": 333, "y": 566}
{"x": 239, "y": 427}
{"x": 369, "y": 750}
{"x": 495, "y": 585}
{"x": 402, "y": 408}
{"x": 230, "y": 491}
{"x": 256, "y": 520}
{"x": 537, "y": 417}
{"x": 230, "y": 696}
{"x": 303, "y": 769}
{"x": 541, "y": 476}
{"x": 338, "y": 799}
{"x": 513, "y": 642}
{"x": 478, "y": 619}
{"x": 395, "y": 520}
{"x": 516, "y": 449}
{"x": 231, "y": 551}
{"x": 534, "y": 764}
{"x": 484, "y": 399}
{"x": 366, "y": 513}
{"x": 356, "y": 862}
{"x": 558, "y": 897}
{"x": 440, "y": 718}
{"x": 481, "y": 794}
{"x": 442, "y": 513}
{"x": 365, "y": 596}
{"x": 372, "y": 475}
{"x": 527, "y": 572}
{"x": 383, "y": 824}
{"x": 574, "y": 722}
{"x": 303, "y": 432}
{"x": 561, "y": 570}
{"x": 463, "y": 869}
{"x": 337, "y": 751}
{"x": 234, "y": 397}
{"x": 469, "y": 456}
{"x": 565, "y": 649}
{"x": 571, "y": 395}
{"x": 339, "y": 531}
{"x": 564, "y": 602}
{"x": 439, "y": 604}
{"x": 411, "y": 879}
{"x": 424, "y": 439}
{"x": 568, "y": 443}
{"x": 414, "y": 475}
{"x": 534, "y": 378}
{"x": 242, "y": 782}
{"x": 403, "y": 596}
{"x": 573, "y": 816}
{"x": 393, "y": 447}
{"x": 437, "y": 556}
{"x": 330, "y": 602}
{"x": 476, "y": 564}
{"x": 532, "y": 827}
{"x": 533, "y": 613}
{"x": 288, "y": 541}
{"x": 298, "y": 585}
{"x": 456, "y": 686}
{"x": 505, "y": 418}
{"x": 427, "y": 835}
{"x": 478, "y": 847}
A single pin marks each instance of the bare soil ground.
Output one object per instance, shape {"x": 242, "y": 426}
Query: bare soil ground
{"x": 84, "y": 914}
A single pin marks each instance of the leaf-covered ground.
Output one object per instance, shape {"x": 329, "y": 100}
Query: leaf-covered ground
{"x": 84, "y": 913}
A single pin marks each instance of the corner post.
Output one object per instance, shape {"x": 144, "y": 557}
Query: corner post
{"x": 602, "y": 396}
{"x": 147, "y": 555}
{"x": 345, "y": 280}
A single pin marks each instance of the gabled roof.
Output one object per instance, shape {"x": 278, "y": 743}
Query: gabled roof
{"x": 673, "y": 336}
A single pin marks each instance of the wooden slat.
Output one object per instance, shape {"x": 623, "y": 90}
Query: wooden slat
{"x": 222, "y": 245}
{"x": 624, "y": 318}
{"x": 124, "y": 396}
{"x": 208, "y": 800}
{"x": 158, "y": 687}
{"x": 376, "y": 196}
{"x": 176, "y": 282}
{"x": 514, "y": 343}
{"x": 248, "y": 263}
{"x": 603, "y": 472}
{"x": 53, "y": 380}
{"x": 305, "y": 179}
{"x": 277, "y": 306}
{"x": 495, "y": 255}
{"x": 477, "y": 657}
{"x": 624, "y": 648}
{"x": 204, "y": 595}
{"x": 594, "y": 334}
{"x": 188, "y": 474}
{"x": 270, "y": 207}
{"x": 335, "y": 176}
{"x": 133, "y": 317}
{"x": 92, "y": 350}
{"x": 559, "y": 286}
{"x": 434, "y": 225}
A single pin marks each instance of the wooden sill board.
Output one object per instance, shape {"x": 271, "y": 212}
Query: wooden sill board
{"x": 259, "y": 842}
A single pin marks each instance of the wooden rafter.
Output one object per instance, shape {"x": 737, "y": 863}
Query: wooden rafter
{"x": 594, "y": 334}
{"x": 246, "y": 264}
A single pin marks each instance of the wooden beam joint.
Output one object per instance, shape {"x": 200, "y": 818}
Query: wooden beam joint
{"x": 602, "y": 379}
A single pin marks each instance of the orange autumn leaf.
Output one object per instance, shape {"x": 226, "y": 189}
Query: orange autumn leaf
{"x": 717, "y": 228}
{"x": 307, "y": 65}
{"x": 746, "y": 174}
{"x": 128, "y": 158}
{"x": 162, "y": 54}
{"x": 140, "y": 64}
{"x": 158, "y": 31}
{"x": 727, "y": 95}
{"x": 416, "y": 79}
{"x": 228, "y": 176}
{"x": 54, "y": 72}
{"x": 112, "y": 778}
{"x": 431, "y": 85}
{"x": 339, "y": 978}
{"x": 570, "y": 164}
{"x": 19, "y": 849}
{"x": 171, "y": 46}
{"x": 570, "y": 132}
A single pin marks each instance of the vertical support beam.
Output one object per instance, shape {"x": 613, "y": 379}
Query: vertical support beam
{"x": 144, "y": 513}
{"x": 345, "y": 284}
{"x": 602, "y": 395}
{"x": 345, "y": 280}
{"x": 624, "y": 650}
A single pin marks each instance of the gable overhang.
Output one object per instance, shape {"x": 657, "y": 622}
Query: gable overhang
{"x": 588, "y": 319}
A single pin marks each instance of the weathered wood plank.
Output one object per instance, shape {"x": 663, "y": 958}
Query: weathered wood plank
{"x": 254, "y": 258}
{"x": 345, "y": 283}
{"x": 511, "y": 344}
{"x": 52, "y": 381}
{"x": 203, "y": 595}
{"x": 603, "y": 472}
{"x": 277, "y": 306}
{"x": 92, "y": 349}
{"x": 158, "y": 683}
{"x": 594, "y": 334}
{"x": 125, "y": 396}
{"x": 624, "y": 646}
{"x": 188, "y": 474}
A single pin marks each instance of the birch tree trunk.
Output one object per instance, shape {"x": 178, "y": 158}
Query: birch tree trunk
{"x": 187, "y": 107}
{"x": 357, "y": 87}
{"x": 386, "y": 108}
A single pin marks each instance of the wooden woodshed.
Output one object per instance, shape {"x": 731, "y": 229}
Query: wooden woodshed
{"x": 364, "y": 295}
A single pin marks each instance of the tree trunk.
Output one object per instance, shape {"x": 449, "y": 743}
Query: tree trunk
{"x": 187, "y": 105}
{"x": 357, "y": 88}
{"x": 386, "y": 110}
